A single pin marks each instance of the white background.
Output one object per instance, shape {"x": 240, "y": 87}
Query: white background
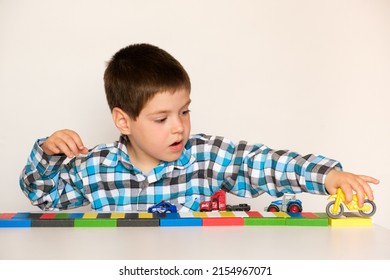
{"x": 309, "y": 76}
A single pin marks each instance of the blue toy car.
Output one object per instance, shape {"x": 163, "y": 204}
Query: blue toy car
{"x": 287, "y": 204}
{"x": 162, "y": 207}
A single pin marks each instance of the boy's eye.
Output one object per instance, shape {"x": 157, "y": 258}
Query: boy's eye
{"x": 186, "y": 112}
{"x": 160, "y": 120}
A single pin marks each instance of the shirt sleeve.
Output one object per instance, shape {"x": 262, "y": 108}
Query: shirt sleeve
{"x": 49, "y": 183}
{"x": 250, "y": 170}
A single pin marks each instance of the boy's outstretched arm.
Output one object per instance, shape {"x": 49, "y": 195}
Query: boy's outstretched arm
{"x": 350, "y": 183}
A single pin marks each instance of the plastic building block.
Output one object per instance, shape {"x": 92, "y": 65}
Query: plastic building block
{"x": 117, "y": 215}
{"x": 62, "y": 216}
{"x": 264, "y": 221}
{"x": 75, "y": 215}
{"x": 138, "y": 222}
{"x": 351, "y": 219}
{"x": 227, "y": 214}
{"x": 241, "y": 214}
{"x": 48, "y": 215}
{"x": 281, "y": 214}
{"x": 181, "y": 222}
{"x": 234, "y": 218}
{"x": 94, "y": 223}
{"x": 15, "y": 223}
{"x": 254, "y": 214}
{"x": 6, "y": 216}
{"x": 306, "y": 219}
{"x": 90, "y": 215}
{"x": 200, "y": 214}
{"x": 46, "y": 222}
{"x": 145, "y": 215}
{"x": 223, "y": 221}
{"x": 103, "y": 216}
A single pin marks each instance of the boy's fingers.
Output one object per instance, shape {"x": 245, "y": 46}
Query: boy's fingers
{"x": 369, "y": 179}
{"x": 65, "y": 149}
{"x": 74, "y": 142}
{"x": 77, "y": 139}
{"x": 367, "y": 189}
{"x": 50, "y": 148}
{"x": 68, "y": 145}
{"x": 347, "y": 190}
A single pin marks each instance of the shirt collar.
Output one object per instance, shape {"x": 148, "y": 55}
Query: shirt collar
{"x": 119, "y": 154}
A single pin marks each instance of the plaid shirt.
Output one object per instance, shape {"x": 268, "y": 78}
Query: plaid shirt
{"x": 106, "y": 178}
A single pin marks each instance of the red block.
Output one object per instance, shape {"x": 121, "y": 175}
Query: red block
{"x": 48, "y": 215}
{"x": 309, "y": 215}
{"x": 7, "y": 215}
{"x": 226, "y": 221}
{"x": 254, "y": 214}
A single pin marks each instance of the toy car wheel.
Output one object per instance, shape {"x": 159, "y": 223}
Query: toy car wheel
{"x": 329, "y": 209}
{"x": 371, "y": 205}
{"x": 273, "y": 208}
{"x": 294, "y": 208}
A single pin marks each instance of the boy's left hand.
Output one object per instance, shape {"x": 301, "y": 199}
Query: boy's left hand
{"x": 350, "y": 183}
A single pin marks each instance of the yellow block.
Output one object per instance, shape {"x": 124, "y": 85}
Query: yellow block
{"x": 90, "y": 215}
{"x": 117, "y": 215}
{"x": 281, "y": 214}
{"x": 227, "y": 214}
{"x": 350, "y": 221}
{"x": 200, "y": 214}
{"x": 145, "y": 215}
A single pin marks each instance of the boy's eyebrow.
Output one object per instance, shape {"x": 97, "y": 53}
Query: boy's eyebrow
{"x": 167, "y": 111}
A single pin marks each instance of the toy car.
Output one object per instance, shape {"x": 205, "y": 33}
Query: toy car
{"x": 163, "y": 207}
{"x": 239, "y": 207}
{"x": 287, "y": 204}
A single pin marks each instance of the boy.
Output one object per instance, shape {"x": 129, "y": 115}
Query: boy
{"x": 155, "y": 159}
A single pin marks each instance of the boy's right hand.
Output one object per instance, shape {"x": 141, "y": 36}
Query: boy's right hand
{"x": 65, "y": 142}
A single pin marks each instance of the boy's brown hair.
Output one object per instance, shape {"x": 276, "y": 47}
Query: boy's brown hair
{"x": 137, "y": 72}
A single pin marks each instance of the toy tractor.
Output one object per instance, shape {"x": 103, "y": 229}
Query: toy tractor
{"x": 287, "y": 204}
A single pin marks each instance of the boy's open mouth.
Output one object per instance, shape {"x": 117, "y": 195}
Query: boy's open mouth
{"x": 175, "y": 144}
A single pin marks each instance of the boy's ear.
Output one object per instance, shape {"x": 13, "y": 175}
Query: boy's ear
{"x": 121, "y": 120}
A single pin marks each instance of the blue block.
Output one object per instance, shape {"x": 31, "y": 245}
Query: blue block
{"x": 15, "y": 223}
{"x": 76, "y": 215}
{"x": 295, "y": 215}
{"x": 171, "y": 216}
{"x": 181, "y": 222}
{"x": 21, "y": 215}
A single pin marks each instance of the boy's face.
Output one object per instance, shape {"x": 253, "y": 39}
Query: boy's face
{"x": 161, "y": 130}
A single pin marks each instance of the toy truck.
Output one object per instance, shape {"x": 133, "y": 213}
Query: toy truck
{"x": 217, "y": 202}
{"x": 239, "y": 207}
{"x": 288, "y": 204}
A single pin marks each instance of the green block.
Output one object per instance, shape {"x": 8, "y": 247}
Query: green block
{"x": 322, "y": 215}
{"x": 264, "y": 221}
{"x": 95, "y": 222}
{"x": 322, "y": 222}
{"x": 62, "y": 216}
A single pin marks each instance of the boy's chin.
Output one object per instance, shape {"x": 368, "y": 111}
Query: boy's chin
{"x": 172, "y": 157}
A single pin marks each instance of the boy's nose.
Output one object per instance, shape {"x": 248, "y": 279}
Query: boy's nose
{"x": 177, "y": 126}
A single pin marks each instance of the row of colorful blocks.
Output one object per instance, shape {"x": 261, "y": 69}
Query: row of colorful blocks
{"x": 121, "y": 219}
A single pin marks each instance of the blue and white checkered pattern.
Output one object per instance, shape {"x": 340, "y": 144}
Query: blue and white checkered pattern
{"x": 106, "y": 179}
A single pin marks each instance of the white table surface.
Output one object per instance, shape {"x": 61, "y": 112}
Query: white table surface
{"x": 188, "y": 243}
